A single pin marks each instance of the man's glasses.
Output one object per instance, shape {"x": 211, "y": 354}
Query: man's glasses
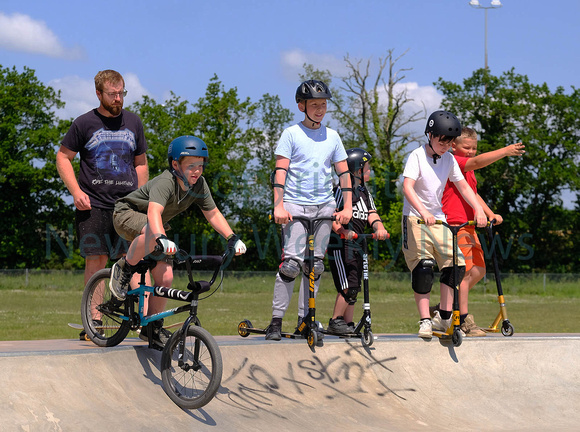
{"x": 113, "y": 95}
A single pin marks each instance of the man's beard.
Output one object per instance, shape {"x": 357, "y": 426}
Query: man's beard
{"x": 114, "y": 110}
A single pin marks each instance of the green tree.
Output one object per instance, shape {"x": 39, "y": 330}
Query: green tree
{"x": 526, "y": 191}
{"x": 30, "y": 188}
{"x": 239, "y": 134}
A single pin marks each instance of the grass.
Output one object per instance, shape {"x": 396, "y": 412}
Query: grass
{"x": 39, "y": 305}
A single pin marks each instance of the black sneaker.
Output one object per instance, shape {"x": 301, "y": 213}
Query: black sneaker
{"x": 338, "y": 326}
{"x": 121, "y": 273}
{"x": 274, "y": 330}
{"x": 159, "y": 336}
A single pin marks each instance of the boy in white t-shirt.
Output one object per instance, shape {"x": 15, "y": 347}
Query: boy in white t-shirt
{"x": 425, "y": 175}
{"x": 302, "y": 183}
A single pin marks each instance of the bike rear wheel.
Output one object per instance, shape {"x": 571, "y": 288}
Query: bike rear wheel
{"x": 195, "y": 383}
{"x": 101, "y": 312}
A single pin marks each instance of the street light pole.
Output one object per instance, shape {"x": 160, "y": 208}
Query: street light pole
{"x": 495, "y": 4}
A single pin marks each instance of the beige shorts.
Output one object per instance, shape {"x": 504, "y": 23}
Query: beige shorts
{"x": 423, "y": 242}
{"x": 127, "y": 222}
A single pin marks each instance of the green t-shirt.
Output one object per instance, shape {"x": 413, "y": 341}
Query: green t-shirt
{"x": 165, "y": 190}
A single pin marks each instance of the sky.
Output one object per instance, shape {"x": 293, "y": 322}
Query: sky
{"x": 260, "y": 46}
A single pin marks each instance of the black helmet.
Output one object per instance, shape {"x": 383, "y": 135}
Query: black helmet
{"x": 356, "y": 158}
{"x": 312, "y": 89}
{"x": 443, "y": 123}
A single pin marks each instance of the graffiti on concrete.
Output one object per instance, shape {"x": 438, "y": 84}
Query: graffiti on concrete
{"x": 253, "y": 388}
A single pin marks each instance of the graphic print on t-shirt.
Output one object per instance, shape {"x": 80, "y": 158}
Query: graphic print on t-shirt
{"x": 112, "y": 152}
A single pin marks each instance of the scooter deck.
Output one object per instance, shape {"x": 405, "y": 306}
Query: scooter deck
{"x": 286, "y": 335}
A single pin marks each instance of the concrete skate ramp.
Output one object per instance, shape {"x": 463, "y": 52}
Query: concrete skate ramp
{"x": 401, "y": 383}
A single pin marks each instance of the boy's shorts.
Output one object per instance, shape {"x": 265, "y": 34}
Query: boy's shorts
{"x": 346, "y": 267}
{"x": 424, "y": 242}
{"x": 96, "y": 234}
{"x": 128, "y": 222}
{"x": 470, "y": 246}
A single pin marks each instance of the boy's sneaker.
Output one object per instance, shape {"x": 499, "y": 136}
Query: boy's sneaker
{"x": 159, "y": 336}
{"x": 470, "y": 328}
{"x": 432, "y": 309}
{"x": 351, "y": 327}
{"x": 439, "y": 324}
{"x": 120, "y": 278}
{"x": 425, "y": 329}
{"x": 338, "y": 326}
{"x": 274, "y": 330}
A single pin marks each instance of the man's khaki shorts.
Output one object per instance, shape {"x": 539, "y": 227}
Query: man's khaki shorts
{"x": 428, "y": 242}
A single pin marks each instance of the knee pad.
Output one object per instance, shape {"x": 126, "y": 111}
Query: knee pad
{"x": 289, "y": 270}
{"x": 448, "y": 277}
{"x": 350, "y": 295}
{"x": 318, "y": 267}
{"x": 422, "y": 276}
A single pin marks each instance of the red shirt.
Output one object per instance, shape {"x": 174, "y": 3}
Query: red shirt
{"x": 455, "y": 207}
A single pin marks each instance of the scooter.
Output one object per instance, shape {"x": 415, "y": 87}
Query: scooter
{"x": 454, "y": 331}
{"x": 507, "y": 329}
{"x": 309, "y": 328}
{"x": 362, "y": 329}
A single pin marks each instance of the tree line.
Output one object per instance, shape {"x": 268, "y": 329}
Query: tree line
{"x": 368, "y": 109}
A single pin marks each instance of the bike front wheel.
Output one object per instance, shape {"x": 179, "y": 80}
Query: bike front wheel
{"x": 101, "y": 312}
{"x": 193, "y": 381}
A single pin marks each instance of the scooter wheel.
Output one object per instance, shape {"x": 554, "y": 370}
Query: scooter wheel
{"x": 312, "y": 339}
{"x": 367, "y": 338}
{"x": 242, "y": 328}
{"x": 507, "y": 329}
{"x": 457, "y": 338}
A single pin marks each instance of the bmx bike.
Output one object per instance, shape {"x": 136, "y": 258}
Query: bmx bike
{"x": 191, "y": 362}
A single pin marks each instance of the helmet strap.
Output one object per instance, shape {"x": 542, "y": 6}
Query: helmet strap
{"x": 435, "y": 155}
{"x": 179, "y": 174}
{"x": 314, "y": 123}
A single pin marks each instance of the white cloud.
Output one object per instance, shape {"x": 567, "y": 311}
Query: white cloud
{"x": 79, "y": 93}
{"x": 21, "y": 33}
{"x": 293, "y": 63}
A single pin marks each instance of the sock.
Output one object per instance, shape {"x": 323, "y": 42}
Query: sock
{"x": 445, "y": 315}
{"x": 462, "y": 318}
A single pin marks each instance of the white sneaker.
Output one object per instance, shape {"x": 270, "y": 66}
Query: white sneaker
{"x": 439, "y": 324}
{"x": 425, "y": 329}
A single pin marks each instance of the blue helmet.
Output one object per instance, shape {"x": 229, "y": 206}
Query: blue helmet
{"x": 186, "y": 146}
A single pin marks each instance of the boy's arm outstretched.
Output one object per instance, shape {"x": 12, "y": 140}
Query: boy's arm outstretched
{"x": 485, "y": 159}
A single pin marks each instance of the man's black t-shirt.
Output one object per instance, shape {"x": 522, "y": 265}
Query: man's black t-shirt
{"x": 107, "y": 148}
